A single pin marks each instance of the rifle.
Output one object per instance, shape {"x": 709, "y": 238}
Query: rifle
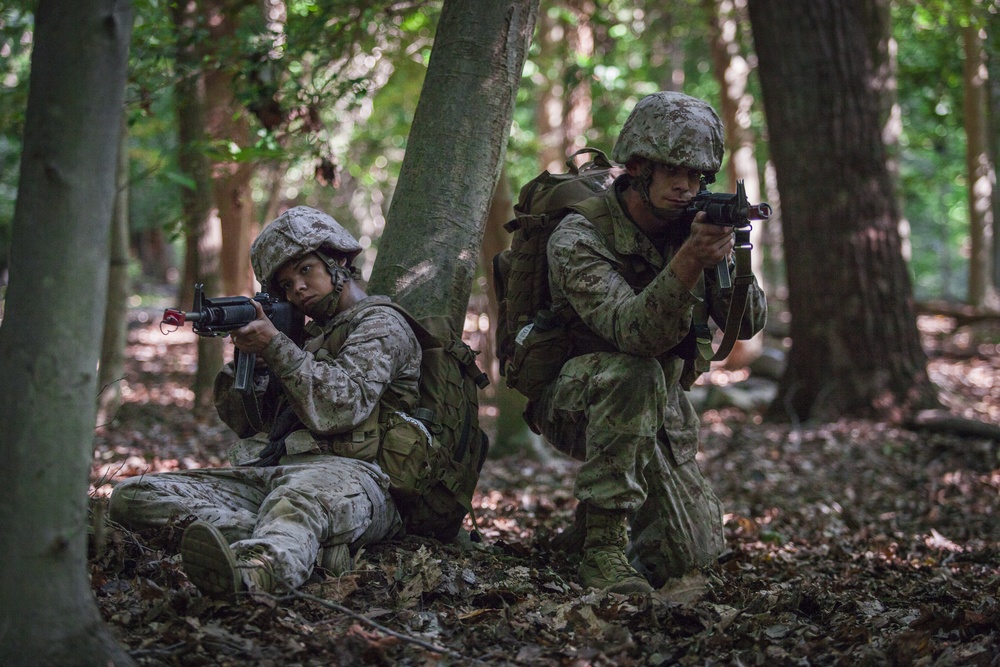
{"x": 728, "y": 210}
{"x": 221, "y": 315}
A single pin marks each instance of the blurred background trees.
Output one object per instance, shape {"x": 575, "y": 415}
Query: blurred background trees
{"x": 237, "y": 109}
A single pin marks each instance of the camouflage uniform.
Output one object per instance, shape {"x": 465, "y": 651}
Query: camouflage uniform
{"x": 620, "y": 406}
{"x": 326, "y": 494}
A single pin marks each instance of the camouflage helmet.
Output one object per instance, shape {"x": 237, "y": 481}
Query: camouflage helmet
{"x": 294, "y": 233}
{"x": 672, "y": 128}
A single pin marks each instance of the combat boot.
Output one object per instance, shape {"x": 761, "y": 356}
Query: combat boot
{"x": 604, "y": 564}
{"x": 213, "y": 568}
{"x": 570, "y": 541}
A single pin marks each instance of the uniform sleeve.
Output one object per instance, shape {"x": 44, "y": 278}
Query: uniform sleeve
{"x": 645, "y": 323}
{"x": 335, "y": 394}
{"x": 231, "y": 408}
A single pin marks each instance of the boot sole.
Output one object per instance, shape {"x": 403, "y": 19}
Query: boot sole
{"x": 209, "y": 562}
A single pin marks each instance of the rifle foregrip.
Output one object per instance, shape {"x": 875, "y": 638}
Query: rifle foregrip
{"x": 245, "y": 362}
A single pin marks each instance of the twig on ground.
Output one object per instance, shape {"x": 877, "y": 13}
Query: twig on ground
{"x": 296, "y": 594}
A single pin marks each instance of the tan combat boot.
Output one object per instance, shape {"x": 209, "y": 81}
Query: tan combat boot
{"x": 211, "y": 565}
{"x": 604, "y": 563}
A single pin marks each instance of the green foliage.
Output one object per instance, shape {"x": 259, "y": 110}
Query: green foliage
{"x": 932, "y": 147}
{"x": 332, "y": 90}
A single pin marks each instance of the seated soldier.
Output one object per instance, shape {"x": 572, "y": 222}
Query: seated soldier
{"x": 304, "y": 488}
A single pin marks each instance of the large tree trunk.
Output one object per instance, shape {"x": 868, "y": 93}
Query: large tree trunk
{"x": 732, "y": 71}
{"x": 979, "y": 168}
{"x": 112, "y": 366}
{"x": 855, "y": 345}
{"x": 227, "y": 124}
{"x": 430, "y": 249}
{"x": 51, "y": 335}
{"x": 201, "y": 219}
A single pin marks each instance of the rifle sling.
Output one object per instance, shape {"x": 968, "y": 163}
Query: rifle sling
{"x": 741, "y": 290}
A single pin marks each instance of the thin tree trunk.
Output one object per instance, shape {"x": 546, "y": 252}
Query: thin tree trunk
{"x": 51, "y": 335}
{"x": 855, "y": 345}
{"x": 979, "y": 168}
{"x": 732, "y": 71}
{"x": 993, "y": 116}
{"x": 430, "y": 249}
{"x": 227, "y": 124}
{"x": 112, "y": 366}
{"x": 201, "y": 219}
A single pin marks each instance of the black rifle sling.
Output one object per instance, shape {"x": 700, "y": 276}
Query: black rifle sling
{"x": 741, "y": 291}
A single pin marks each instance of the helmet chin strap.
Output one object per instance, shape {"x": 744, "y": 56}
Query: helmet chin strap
{"x": 641, "y": 185}
{"x": 339, "y": 275}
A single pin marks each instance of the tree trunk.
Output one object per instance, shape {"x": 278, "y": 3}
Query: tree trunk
{"x": 855, "y": 345}
{"x": 201, "y": 219}
{"x": 993, "y": 116}
{"x": 228, "y": 125}
{"x": 112, "y": 366}
{"x": 430, "y": 249}
{"x": 979, "y": 168}
{"x": 51, "y": 336}
{"x": 732, "y": 71}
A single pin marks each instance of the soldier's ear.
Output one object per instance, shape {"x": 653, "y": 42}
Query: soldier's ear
{"x": 634, "y": 165}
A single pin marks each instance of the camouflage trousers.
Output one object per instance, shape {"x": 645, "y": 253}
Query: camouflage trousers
{"x": 614, "y": 412}
{"x": 288, "y": 513}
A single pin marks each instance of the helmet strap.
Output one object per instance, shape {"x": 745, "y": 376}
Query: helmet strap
{"x": 641, "y": 185}
{"x": 339, "y": 276}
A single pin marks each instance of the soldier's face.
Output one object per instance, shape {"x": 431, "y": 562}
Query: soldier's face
{"x": 305, "y": 282}
{"x": 673, "y": 187}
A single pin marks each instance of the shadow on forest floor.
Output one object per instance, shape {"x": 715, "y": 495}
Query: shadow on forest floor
{"x": 853, "y": 542}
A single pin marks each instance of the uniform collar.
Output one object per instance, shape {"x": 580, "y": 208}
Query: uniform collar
{"x": 629, "y": 239}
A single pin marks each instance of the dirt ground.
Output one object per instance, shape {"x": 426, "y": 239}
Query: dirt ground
{"x": 851, "y": 543}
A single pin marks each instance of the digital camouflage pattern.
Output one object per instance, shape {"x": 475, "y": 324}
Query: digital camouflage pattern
{"x": 294, "y": 233}
{"x": 334, "y": 392}
{"x": 675, "y": 129}
{"x": 623, "y": 412}
{"x": 293, "y": 516}
{"x": 326, "y": 495}
{"x": 314, "y": 500}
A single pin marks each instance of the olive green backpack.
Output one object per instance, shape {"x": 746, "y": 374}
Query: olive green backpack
{"x": 433, "y": 452}
{"x": 531, "y": 344}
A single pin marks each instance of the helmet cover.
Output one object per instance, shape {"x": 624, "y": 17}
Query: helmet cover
{"x": 297, "y": 232}
{"x": 672, "y": 128}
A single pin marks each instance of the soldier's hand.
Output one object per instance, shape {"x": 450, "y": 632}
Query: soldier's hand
{"x": 705, "y": 247}
{"x": 255, "y": 336}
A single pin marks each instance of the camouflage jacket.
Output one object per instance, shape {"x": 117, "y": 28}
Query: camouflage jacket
{"x": 622, "y": 289}
{"x": 336, "y": 381}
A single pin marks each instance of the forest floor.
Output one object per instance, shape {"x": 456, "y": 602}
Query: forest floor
{"x": 851, "y": 543}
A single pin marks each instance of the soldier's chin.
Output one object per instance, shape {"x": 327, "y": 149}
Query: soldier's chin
{"x": 669, "y": 214}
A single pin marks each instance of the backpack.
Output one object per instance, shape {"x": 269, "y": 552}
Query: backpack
{"x": 433, "y": 486}
{"x": 531, "y": 343}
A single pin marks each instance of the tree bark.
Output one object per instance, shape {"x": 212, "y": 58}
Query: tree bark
{"x": 51, "y": 335}
{"x": 855, "y": 345}
{"x": 228, "y": 125}
{"x": 112, "y": 365}
{"x": 979, "y": 169}
{"x": 201, "y": 217}
{"x": 430, "y": 249}
{"x": 993, "y": 116}
{"x": 732, "y": 71}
